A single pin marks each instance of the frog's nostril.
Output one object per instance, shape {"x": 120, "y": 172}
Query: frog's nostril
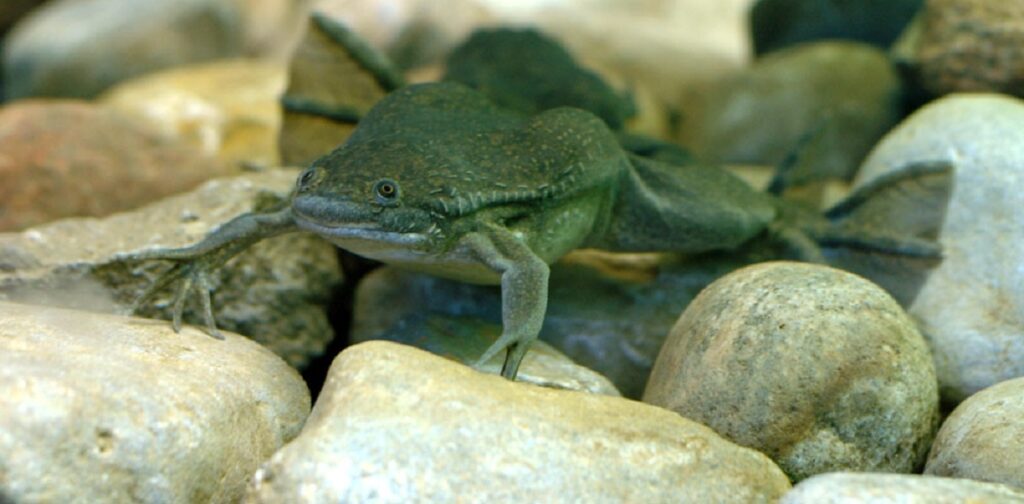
{"x": 306, "y": 179}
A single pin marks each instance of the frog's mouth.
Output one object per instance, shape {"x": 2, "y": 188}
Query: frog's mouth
{"x": 344, "y": 222}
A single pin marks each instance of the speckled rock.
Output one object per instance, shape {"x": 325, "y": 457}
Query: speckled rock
{"x": 275, "y": 292}
{"x": 64, "y": 159}
{"x": 397, "y": 424}
{"x": 817, "y": 368}
{"x": 866, "y": 488}
{"x": 966, "y": 45}
{"x": 849, "y": 91}
{"x": 384, "y": 310}
{"x": 607, "y": 312}
{"x": 780, "y": 23}
{"x": 228, "y": 110}
{"x": 971, "y": 309}
{"x": 983, "y": 438}
{"x": 99, "y": 408}
{"x": 78, "y": 48}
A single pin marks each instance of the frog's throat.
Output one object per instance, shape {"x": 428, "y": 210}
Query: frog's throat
{"x": 362, "y": 231}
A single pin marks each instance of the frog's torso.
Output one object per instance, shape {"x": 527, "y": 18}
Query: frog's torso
{"x": 556, "y": 182}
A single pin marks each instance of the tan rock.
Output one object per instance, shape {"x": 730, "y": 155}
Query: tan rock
{"x": 818, "y": 368}
{"x": 275, "y": 292}
{"x": 99, "y": 408}
{"x": 878, "y": 488}
{"x": 114, "y": 40}
{"x": 228, "y": 110}
{"x": 67, "y": 158}
{"x": 983, "y": 438}
{"x": 397, "y": 424}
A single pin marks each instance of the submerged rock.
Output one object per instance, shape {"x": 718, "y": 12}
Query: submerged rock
{"x": 385, "y": 311}
{"x": 397, "y": 424}
{"x": 983, "y": 438}
{"x": 971, "y": 307}
{"x": 275, "y": 292}
{"x": 817, "y": 368}
{"x": 68, "y": 158}
{"x": 78, "y": 48}
{"x": 98, "y": 408}
{"x": 844, "y": 95}
{"x": 877, "y": 488}
{"x": 775, "y": 24}
{"x": 227, "y": 110}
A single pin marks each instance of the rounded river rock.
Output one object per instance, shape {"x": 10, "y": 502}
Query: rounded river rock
{"x": 99, "y": 408}
{"x": 984, "y": 437}
{"x": 398, "y": 424}
{"x": 818, "y": 368}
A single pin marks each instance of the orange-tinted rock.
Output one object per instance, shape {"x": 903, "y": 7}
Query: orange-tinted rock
{"x": 64, "y": 159}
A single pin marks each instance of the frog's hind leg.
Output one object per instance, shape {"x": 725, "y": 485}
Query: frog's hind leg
{"x": 195, "y": 264}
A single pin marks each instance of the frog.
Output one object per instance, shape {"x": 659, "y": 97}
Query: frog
{"x": 438, "y": 179}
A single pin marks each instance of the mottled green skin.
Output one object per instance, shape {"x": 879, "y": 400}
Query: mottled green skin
{"x": 525, "y": 71}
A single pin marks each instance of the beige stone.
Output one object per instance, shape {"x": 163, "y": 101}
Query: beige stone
{"x": 100, "y": 408}
{"x": 228, "y": 110}
{"x": 983, "y": 438}
{"x": 275, "y": 292}
{"x": 818, "y": 368}
{"x": 397, "y": 424}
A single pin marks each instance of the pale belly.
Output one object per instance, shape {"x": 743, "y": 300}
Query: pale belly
{"x": 459, "y": 263}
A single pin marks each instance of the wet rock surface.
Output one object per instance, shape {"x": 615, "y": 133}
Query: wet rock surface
{"x": 983, "y": 438}
{"x": 227, "y": 110}
{"x": 877, "y": 488}
{"x": 54, "y": 52}
{"x": 846, "y": 94}
{"x": 69, "y": 158}
{"x": 99, "y": 408}
{"x": 275, "y": 292}
{"x": 966, "y": 45}
{"x": 396, "y": 424}
{"x": 817, "y": 368}
{"x": 971, "y": 308}
{"x": 775, "y": 24}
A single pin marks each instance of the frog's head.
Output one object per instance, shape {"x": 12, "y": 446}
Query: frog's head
{"x": 387, "y": 182}
{"x": 367, "y": 192}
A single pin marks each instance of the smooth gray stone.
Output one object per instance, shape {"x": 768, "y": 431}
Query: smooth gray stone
{"x": 100, "y": 408}
{"x": 878, "y": 488}
{"x": 971, "y": 308}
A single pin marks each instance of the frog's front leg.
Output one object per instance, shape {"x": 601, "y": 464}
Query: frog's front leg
{"x": 195, "y": 263}
{"x": 524, "y": 292}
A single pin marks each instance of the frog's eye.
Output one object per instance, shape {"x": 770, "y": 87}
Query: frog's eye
{"x": 307, "y": 179}
{"x": 386, "y": 191}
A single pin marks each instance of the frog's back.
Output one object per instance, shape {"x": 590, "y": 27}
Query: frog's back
{"x": 688, "y": 209}
{"x": 453, "y": 151}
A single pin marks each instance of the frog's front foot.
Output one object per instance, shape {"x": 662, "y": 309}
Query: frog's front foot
{"x": 188, "y": 274}
{"x": 194, "y": 265}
